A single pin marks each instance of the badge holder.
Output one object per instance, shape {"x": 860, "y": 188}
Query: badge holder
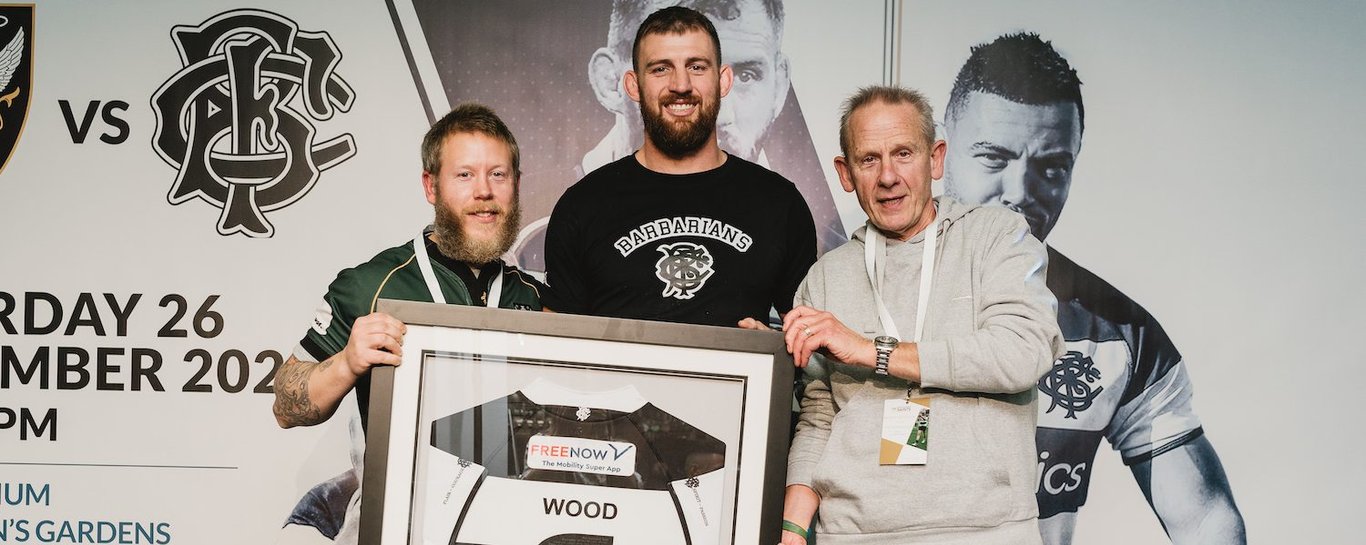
{"x": 905, "y": 431}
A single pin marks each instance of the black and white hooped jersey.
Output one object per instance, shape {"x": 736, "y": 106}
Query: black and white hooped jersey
{"x": 1121, "y": 378}
{"x": 514, "y": 472}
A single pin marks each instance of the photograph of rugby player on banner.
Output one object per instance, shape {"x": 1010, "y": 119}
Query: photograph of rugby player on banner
{"x": 526, "y": 428}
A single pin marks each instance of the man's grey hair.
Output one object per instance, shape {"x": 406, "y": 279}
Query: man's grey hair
{"x": 886, "y": 94}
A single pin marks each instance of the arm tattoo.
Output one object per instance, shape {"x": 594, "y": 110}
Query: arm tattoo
{"x": 292, "y": 404}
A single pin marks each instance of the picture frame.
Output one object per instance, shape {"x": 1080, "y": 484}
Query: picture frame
{"x": 508, "y": 427}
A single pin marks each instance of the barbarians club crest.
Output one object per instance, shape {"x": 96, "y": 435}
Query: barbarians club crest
{"x": 1069, "y": 383}
{"x": 237, "y": 120}
{"x": 16, "y": 75}
{"x": 684, "y": 268}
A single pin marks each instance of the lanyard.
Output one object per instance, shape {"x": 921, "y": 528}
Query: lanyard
{"x": 425, "y": 264}
{"x": 875, "y": 261}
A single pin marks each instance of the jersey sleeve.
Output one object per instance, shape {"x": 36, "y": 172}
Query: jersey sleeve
{"x": 685, "y": 451}
{"x": 801, "y": 252}
{"x": 1017, "y": 337}
{"x": 340, "y": 306}
{"x": 1158, "y": 420}
{"x": 566, "y": 274}
{"x": 448, "y": 490}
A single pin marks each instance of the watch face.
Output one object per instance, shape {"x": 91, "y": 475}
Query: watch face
{"x": 885, "y": 340}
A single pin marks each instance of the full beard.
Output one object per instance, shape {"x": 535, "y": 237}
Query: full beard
{"x": 679, "y": 139}
{"x": 454, "y": 243}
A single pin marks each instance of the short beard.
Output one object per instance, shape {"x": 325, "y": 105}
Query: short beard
{"x": 678, "y": 143}
{"x": 450, "y": 236}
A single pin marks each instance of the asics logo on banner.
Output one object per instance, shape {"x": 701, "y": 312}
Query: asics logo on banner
{"x": 1060, "y": 477}
{"x": 684, "y": 268}
{"x": 663, "y": 228}
{"x": 1069, "y": 383}
{"x": 236, "y": 121}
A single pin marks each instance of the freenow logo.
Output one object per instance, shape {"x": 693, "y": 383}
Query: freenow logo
{"x": 237, "y": 120}
{"x": 580, "y": 455}
{"x": 16, "y": 75}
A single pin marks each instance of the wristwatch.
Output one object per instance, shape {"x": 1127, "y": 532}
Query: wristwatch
{"x": 884, "y": 345}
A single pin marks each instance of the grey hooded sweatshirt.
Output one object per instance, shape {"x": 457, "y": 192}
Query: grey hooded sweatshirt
{"x": 991, "y": 332}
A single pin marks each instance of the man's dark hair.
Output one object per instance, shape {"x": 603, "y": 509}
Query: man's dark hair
{"x": 467, "y": 118}
{"x": 674, "y": 20}
{"x": 1021, "y": 68}
{"x": 627, "y": 17}
{"x": 886, "y": 94}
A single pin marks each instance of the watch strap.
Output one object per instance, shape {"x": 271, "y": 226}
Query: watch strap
{"x": 884, "y": 356}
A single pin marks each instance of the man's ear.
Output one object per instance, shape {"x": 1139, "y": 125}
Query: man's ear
{"x": 604, "y": 76}
{"x": 846, "y": 177}
{"x": 429, "y": 186}
{"x": 784, "y": 84}
{"x": 632, "y": 87}
{"x": 937, "y": 152}
{"x": 727, "y": 79}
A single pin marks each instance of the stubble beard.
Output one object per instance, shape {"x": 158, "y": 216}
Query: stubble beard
{"x": 679, "y": 139}
{"x": 734, "y": 143}
{"x": 453, "y": 242}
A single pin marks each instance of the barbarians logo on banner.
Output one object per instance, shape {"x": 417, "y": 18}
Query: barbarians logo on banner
{"x": 237, "y": 120}
{"x": 1069, "y": 383}
{"x": 16, "y": 74}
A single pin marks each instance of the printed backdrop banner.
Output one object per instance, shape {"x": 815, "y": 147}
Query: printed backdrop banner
{"x": 184, "y": 179}
{"x": 180, "y": 181}
{"x": 1210, "y": 192}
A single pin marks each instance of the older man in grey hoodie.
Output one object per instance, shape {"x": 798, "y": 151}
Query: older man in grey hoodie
{"x": 934, "y": 309}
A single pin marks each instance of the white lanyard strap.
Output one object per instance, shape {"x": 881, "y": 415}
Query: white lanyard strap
{"x": 425, "y": 264}
{"x": 496, "y": 289}
{"x": 875, "y": 262}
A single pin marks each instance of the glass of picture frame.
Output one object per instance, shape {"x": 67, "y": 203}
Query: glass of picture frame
{"x": 506, "y": 427}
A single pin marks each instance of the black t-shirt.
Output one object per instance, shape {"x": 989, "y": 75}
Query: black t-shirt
{"x": 705, "y": 248}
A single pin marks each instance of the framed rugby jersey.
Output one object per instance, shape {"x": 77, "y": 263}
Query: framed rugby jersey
{"x": 505, "y": 428}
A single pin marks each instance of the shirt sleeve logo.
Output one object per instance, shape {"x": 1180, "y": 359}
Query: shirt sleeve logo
{"x": 684, "y": 269}
{"x": 322, "y": 318}
{"x": 1069, "y": 383}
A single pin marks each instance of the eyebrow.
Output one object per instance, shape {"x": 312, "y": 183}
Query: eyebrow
{"x": 988, "y": 146}
{"x": 749, "y": 64}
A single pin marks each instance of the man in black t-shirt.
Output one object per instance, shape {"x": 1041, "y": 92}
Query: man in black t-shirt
{"x": 680, "y": 230}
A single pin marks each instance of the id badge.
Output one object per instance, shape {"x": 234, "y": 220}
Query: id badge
{"x": 905, "y": 431}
